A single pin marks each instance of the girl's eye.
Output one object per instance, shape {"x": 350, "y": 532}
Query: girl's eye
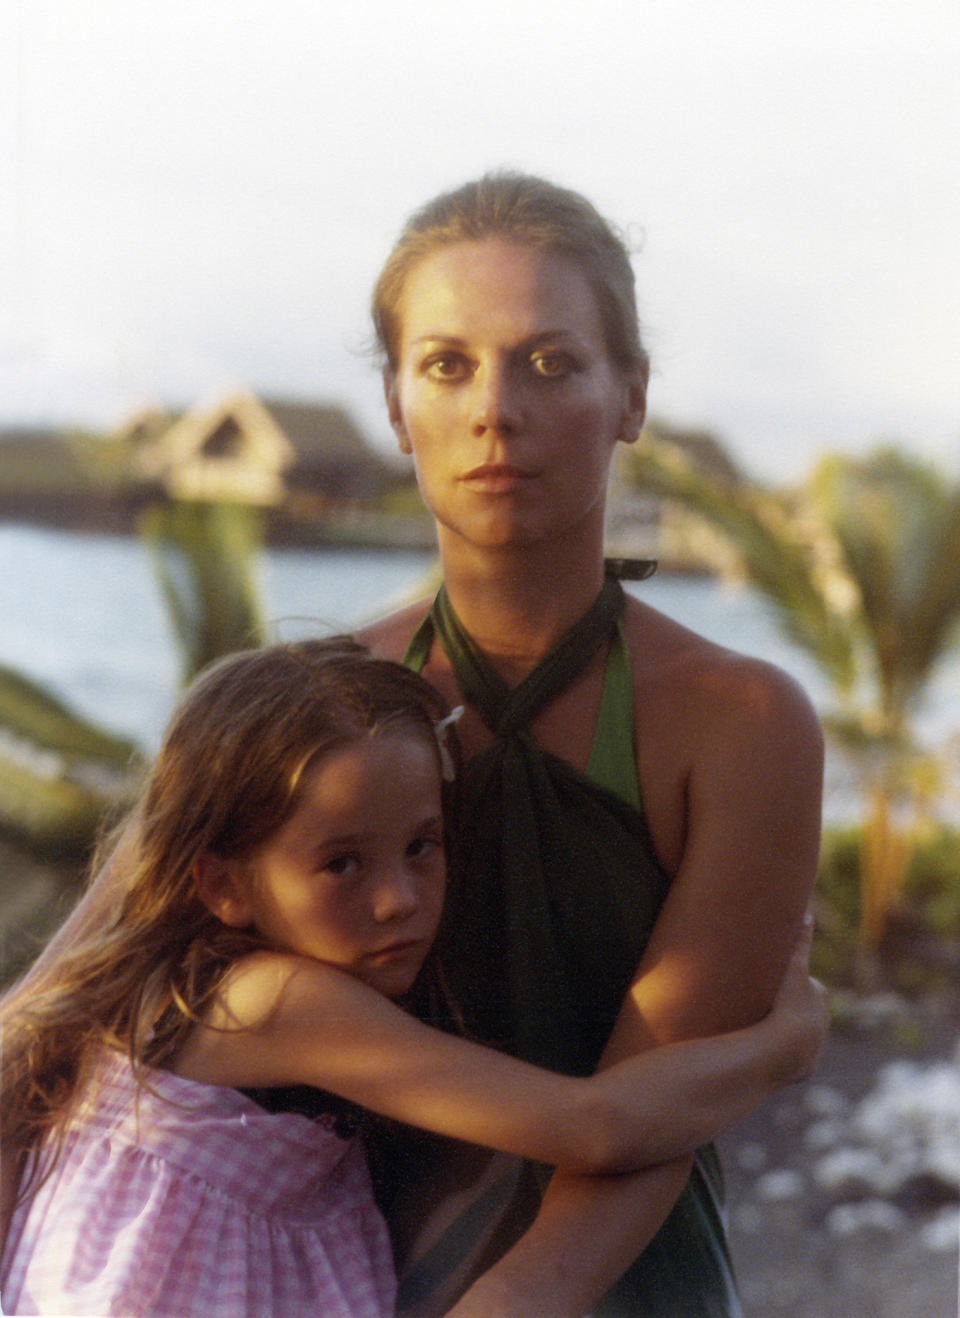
{"x": 346, "y": 863}
{"x": 422, "y": 847}
{"x": 553, "y": 365}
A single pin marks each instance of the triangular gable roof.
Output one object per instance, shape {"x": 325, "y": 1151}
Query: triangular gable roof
{"x": 230, "y": 450}
{"x": 325, "y": 431}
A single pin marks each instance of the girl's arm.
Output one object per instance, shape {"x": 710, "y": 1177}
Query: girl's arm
{"x": 284, "y": 1020}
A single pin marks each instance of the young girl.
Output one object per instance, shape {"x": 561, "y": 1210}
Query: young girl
{"x": 178, "y": 1088}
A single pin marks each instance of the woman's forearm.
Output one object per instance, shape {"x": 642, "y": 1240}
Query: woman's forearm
{"x": 693, "y": 1090}
{"x": 589, "y": 1230}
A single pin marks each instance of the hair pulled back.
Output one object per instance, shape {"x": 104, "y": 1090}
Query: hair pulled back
{"x": 533, "y": 213}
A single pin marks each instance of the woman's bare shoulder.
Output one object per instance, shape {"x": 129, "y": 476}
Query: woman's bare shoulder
{"x": 389, "y": 637}
{"x": 675, "y": 666}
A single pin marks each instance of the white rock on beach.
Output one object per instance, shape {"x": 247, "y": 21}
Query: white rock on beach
{"x": 870, "y": 1215}
{"x": 907, "y": 1127}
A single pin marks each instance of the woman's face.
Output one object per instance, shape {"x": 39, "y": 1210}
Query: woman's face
{"x": 505, "y": 393}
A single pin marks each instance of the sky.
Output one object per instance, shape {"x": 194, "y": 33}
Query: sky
{"x": 198, "y": 194}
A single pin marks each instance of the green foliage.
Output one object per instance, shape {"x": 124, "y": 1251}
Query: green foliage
{"x": 772, "y": 542}
{"x": 862, "y": 568}
{"x": 33, "y": 713}
{"x": 58, "y": 771}
{"x": 837, "y": 906}
{"x": 53, "y": 813}
{"x": 897, "y": 523}
{"x": 933, "y": 883}
{"x": 205, "y": 556}
{"x": 920, "y": 948}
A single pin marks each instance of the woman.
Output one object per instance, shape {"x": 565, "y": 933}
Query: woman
{"x": 644, "y": 821}
{"x": 644, "y": 805}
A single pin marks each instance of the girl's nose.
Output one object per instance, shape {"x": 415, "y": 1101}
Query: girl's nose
{"x": 496, "y": 404}
{"x": 396, "y": 896}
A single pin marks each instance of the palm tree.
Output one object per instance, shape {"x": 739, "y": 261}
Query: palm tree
{"x": 59, "y": 772}
{"x": 862, "y": 568}
{"x": 206, "y": 559}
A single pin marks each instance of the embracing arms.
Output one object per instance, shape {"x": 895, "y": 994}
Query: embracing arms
{"x": 282, "y": 1020}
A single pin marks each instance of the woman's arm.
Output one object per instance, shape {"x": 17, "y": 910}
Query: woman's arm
{"x": 750, "y": 793}
{"x": 284, "y": 1020}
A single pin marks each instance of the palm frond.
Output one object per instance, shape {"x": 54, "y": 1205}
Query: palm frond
{"x": 33, "y": 713}
{"x": 205, "y": 556}
{"x": 898, "y": 524}
{"x": 777, "y": 560}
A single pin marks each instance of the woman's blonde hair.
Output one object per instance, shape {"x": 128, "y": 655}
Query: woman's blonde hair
{"x": 533, "y": 213}
{"x": 229, "y": 773}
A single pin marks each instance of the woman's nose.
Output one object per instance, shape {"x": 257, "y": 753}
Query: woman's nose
{"x": 496, "y": 402}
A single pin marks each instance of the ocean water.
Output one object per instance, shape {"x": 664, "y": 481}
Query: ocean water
{"x": 83, "y": 614}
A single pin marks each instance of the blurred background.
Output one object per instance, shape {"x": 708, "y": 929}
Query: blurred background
{"x": 194, "y": 454}
{"x": 200, "y": 193}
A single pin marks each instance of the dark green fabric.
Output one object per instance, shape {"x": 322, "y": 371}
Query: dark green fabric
{"x": 544, "y": 897}
{"x": 555, "y": 889}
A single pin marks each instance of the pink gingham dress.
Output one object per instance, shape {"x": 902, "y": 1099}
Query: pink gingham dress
{"x": 192, "y": 1201}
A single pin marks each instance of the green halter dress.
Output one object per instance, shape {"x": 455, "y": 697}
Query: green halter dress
{"x": 554, "y": 891}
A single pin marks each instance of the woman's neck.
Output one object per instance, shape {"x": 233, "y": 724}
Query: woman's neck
{"x": 517, "y": 603}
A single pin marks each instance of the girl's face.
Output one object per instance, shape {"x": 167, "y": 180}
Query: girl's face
{"x": 505, "y": 392}
{"x": 356, "y": 875}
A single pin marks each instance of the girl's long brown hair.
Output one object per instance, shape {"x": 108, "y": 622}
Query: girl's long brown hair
{"x": 228, "y": 775}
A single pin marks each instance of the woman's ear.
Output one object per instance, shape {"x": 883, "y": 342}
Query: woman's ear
{"x": 222, "y": 886}
{"x": 392, "y": 394}
{"x": 635, "y": 405}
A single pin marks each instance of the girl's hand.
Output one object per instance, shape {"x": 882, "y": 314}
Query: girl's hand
{"x": 800, "y": 1012}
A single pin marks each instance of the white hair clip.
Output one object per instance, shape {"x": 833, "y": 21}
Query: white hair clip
{"x": 447, "y": 768}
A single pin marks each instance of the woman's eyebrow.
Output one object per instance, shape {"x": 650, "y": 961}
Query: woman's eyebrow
{"x": 437, "y": 336}
{"x": 528, "y": 341}
{"x": 550, "y": 336}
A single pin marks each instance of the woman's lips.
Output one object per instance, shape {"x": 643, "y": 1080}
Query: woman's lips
{"x": 496, "y": 477}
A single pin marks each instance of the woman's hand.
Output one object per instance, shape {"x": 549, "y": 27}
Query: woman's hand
{"x": 800, "y": 1015}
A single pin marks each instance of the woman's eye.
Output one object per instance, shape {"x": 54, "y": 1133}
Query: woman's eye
{"x": 553, "y": 365}
{"x": 445, "y": 366}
